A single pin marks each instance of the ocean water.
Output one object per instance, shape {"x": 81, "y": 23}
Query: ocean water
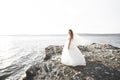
{"x": 18, "y": 53}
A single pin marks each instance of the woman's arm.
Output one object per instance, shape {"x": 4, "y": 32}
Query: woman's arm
{"x": 69, "y": 43}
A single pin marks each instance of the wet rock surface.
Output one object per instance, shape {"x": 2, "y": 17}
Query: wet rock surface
{"x": 102, "y": 63}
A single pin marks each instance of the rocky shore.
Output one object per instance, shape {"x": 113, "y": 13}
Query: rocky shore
{"x": 103, "y": 63}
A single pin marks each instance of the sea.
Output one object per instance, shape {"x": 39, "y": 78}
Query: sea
{"x": 19, "y": 52}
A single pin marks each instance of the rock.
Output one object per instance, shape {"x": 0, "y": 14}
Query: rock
{"x": 58, "y": 49}
{"x": 51, "y": 51}
{"x": 88, "y": 78}
{"x": 103, "y": 63}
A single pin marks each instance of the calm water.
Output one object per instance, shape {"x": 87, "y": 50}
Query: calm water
{"x": 18, "y": 53}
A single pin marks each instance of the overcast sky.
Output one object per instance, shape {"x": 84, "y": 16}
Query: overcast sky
{"x": 57, "y": 16}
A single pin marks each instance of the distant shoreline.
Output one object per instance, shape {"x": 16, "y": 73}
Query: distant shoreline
{"x": 81, "y": 34}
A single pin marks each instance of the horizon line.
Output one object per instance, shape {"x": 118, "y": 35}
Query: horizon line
{"x": 82, "y": 34}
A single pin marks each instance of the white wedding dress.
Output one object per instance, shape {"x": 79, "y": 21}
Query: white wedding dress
{"x": 72, "y": 56}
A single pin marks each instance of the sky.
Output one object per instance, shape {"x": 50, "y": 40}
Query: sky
{"x": 35, "y": 17}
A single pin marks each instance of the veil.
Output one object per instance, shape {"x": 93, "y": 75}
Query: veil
{"x": 78, "y": 40}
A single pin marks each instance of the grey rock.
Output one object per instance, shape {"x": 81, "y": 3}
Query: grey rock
{"x": 103, "y": 63}
{"x": 88, "y": 78}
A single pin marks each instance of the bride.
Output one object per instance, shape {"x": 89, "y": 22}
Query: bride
{"x": 71, "y": 55}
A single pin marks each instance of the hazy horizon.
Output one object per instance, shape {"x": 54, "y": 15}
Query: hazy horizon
{"x": 82, "y": 34}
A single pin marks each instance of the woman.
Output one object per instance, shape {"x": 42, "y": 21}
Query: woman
{"x": 71, "y": 55}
